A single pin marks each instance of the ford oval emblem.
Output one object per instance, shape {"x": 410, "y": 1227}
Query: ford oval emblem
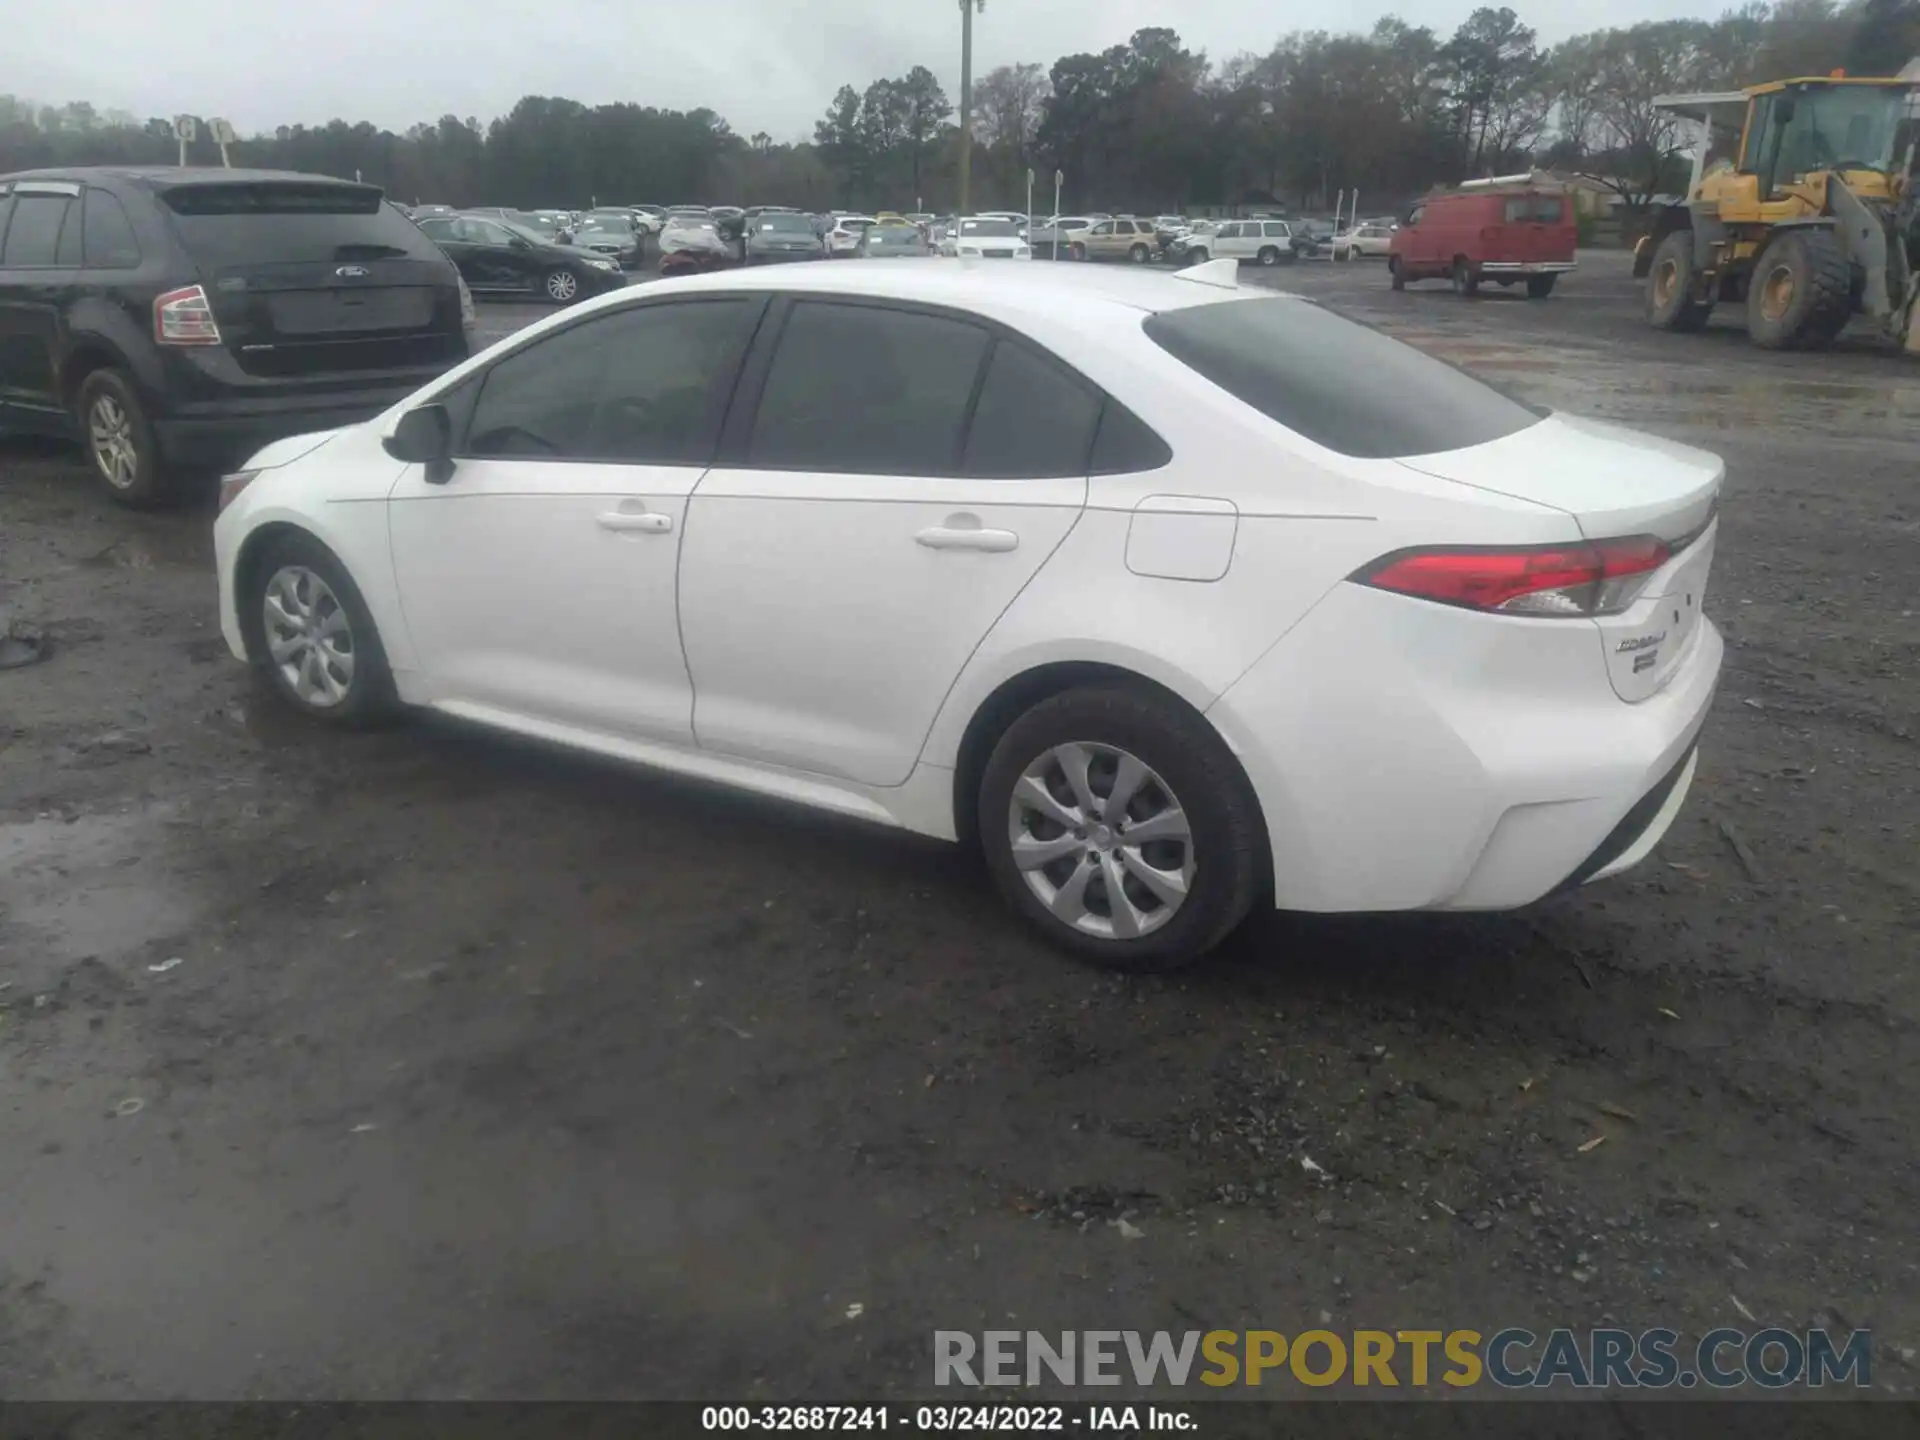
{"x": 352, "y": 272}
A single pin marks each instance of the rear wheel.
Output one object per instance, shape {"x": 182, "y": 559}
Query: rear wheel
{"x": 1139, "y": 255}
{"x": 1465, "y": 282}
{"x": 120, "y": 440}
{"x": 1197, "y": 254}
{"x": 1540, "y": 286}
{"x": 1396, "y": 276}
{"x": 561, "y": 286}
{"x": 1670, "y": 280}
{"x": 1269, "y": 255}
{"x": 1118, "y": 824}
{"x": 1801, "y": 293}
{"x": 1077, "y": 250}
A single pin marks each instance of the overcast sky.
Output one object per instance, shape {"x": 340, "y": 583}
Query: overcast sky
{"x": 764, "y": 64}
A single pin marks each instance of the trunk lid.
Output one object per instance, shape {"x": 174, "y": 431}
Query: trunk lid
{"x": 1613, "y": 481}
{"x": 310, "y": 277}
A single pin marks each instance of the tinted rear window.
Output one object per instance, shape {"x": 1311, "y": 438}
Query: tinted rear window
{"x": 237, "y": 224}
{"x": 1337, "y": 383}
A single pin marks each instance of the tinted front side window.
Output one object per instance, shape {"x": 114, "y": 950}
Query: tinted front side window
{"x": 1034, "y": 418}
{"x": 863, "y": 390}
{"x": 1295, "y": 362}
{"x": 108, "y": 241}
{"x": 645, "y": 386}
{"x": 33, "y": 238}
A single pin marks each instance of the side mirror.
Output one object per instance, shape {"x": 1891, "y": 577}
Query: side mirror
{"x": 424, "y": 436}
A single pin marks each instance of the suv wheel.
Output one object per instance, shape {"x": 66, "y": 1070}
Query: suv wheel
{"x": 1465, "y": 282}
{"x": 1269, "y": 255}
{"x": 119, "y": 439}
{"x": 1196, "y": 255}
{"x": 1139, "y": 255}
{"x": 1118, "y": 824}
{"x": 561, "y": 286}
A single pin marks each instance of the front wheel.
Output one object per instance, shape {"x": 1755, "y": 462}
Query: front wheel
{"x": 1465, "y": 282}
{"x": 561, "y": 286}
{"x": 1670, "y": 285}
{"x": 1120, "y": 826}
{"x": 311, "y": 633}
{"x": 1196, "y": 255}
{"x": 1077, "y": 251}
{"x": 120, "y": 440}
{"x": 1395, "y": 275}
{"x": 1801, "y": 293}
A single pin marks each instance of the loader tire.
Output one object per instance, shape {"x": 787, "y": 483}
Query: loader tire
{"x": 1801, "y": 293}
{"x": 1670, "y": 302}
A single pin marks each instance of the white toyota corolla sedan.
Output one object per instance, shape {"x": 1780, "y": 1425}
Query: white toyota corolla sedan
{"x": 1117, "y": 575}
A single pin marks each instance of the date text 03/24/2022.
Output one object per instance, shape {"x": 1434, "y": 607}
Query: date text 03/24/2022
{"x": 939, "y": 1419}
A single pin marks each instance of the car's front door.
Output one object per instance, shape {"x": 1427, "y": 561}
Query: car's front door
{"x": 537, "y": 580}
{"x": 502, "y": 259}
{"x": 905, "y": 474}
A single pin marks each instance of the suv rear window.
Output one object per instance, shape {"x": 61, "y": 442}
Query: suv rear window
{"x": 1337, "y": 383}
{"x": 237, "y": 223}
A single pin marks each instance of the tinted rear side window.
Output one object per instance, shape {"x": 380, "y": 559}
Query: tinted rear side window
{"x": 1033, "y": 419}
{"x": 862, "y": 390}
{"x": 1336, "y": 383}
{"x": 109, "y": 240}
{"x": 33, "y": 237}
{"x": 287, "y": 221}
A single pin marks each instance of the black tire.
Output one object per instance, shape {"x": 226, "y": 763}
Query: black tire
{"x": 121, "y": 449}
{"x": 368, "y": 696}
{"x": 1196, "y": 255}
{"x": 1139, "y": 255}
{"x": 1540, "y": 286}
{"x": 1395, "y": 275}
{"x": 1800, "y": 295}
{"x": 561, "y": 286}
{"x": 1188, "y": 760}
{"x": 1670, "y": 281}
{"x": 1269, "y": 255}
{"x": 1465, "y": 282}
{"x": 1077, "y": 250}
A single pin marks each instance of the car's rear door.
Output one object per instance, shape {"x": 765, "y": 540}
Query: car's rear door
{"x": 40, "y": 256}
{"x": 892, "y": 478}
{"x": 537, "y": 580}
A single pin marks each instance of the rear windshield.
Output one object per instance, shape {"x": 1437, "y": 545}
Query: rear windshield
{"x": 786, "y": 224}
{"x": 1339, "y": 384}
{"x": 238, "y": 224}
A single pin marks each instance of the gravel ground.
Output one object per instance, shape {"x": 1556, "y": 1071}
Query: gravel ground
{"x": 424, "y": 1064}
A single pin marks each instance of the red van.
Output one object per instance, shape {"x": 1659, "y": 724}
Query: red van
{"x": 1503, "y": 232}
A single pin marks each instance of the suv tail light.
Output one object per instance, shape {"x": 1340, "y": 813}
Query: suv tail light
{"x": 184, "y": 317}
{"x": 1601, "y": 578}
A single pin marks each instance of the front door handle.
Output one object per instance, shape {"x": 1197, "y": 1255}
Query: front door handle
{"x": 964, "y": 532}
{"x": 644, "y": 522}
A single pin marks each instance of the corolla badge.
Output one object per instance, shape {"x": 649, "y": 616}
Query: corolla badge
{"x": 352, "y": 272}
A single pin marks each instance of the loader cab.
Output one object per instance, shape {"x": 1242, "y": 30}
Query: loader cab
{"x": 1804, "y": 128}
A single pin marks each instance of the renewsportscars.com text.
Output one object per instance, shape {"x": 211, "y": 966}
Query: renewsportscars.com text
{"x": 1611, "y": 1359}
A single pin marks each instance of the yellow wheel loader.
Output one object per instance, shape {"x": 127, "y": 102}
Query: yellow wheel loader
{"x": 1801, "y": 207}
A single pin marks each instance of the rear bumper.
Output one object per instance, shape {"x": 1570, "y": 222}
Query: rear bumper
{"x": 1526, "y": 267}
{"x": 1411, "y": 757}
{"x": 225, "y": 432}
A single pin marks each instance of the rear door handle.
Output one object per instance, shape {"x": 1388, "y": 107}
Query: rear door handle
{"x": 967, "y": 537}
{"x": 644, "y": 522}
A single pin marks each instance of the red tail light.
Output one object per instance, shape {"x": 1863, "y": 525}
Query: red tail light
{"x": 184, "y": 317}
{"x": 1601, "y": 578}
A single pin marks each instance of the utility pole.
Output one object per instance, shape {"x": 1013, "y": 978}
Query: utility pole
{"x": 967, "y": 7}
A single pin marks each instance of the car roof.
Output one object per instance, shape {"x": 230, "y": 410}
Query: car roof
{"x": 166, "y": 176}
{"x": 1061, "y": 289}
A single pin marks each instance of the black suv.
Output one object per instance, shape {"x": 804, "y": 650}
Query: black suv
{"x": 179, "y": 319}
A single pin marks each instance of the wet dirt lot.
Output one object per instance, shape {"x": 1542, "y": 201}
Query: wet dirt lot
{"x": 488, "y": 1072}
